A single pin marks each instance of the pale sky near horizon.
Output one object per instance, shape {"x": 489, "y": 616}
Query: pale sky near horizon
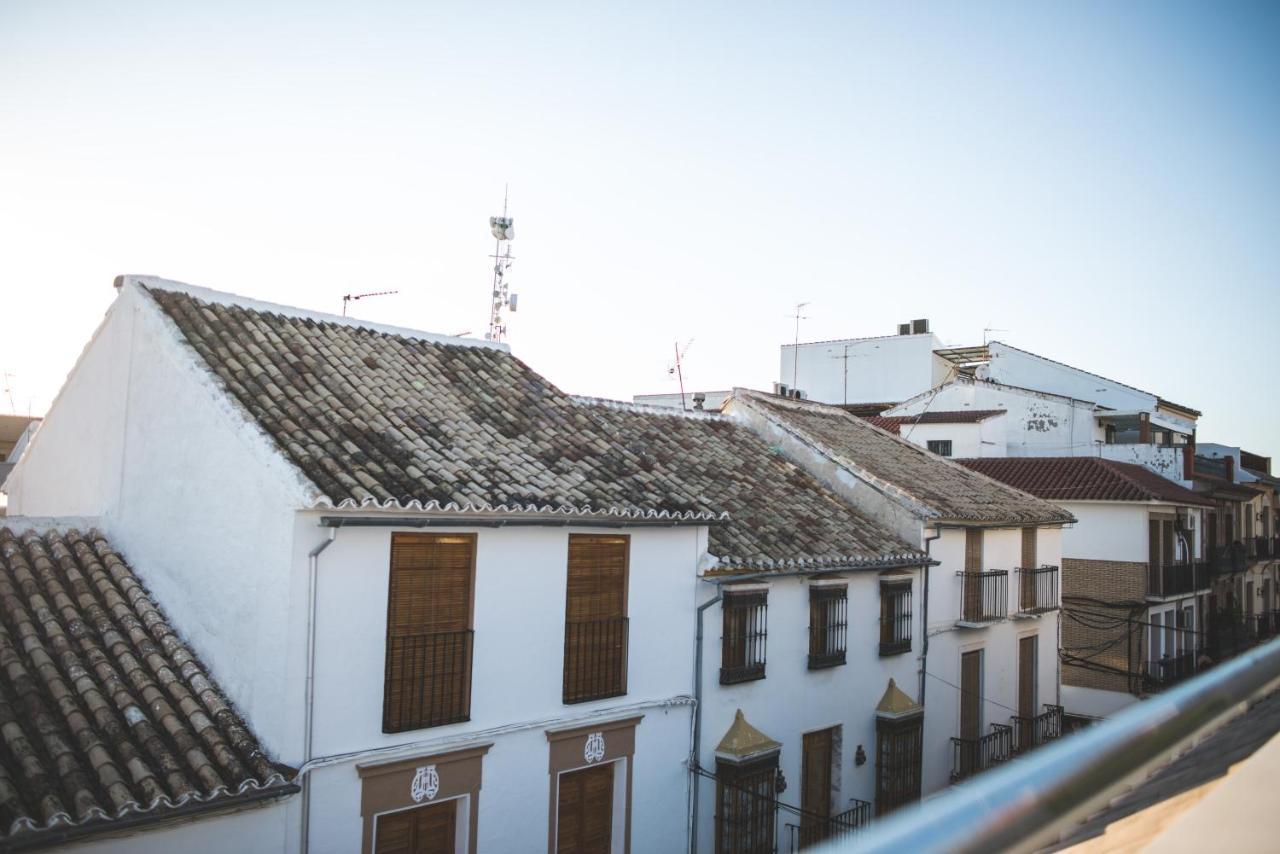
{"x": 1098, "y": 181}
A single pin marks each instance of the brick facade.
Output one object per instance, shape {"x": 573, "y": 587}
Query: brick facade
{"x": 1097, "y": 596}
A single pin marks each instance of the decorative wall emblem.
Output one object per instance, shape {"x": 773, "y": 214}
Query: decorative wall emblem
{"x": 593, "y": 751}
{"x": 426, "y": 782}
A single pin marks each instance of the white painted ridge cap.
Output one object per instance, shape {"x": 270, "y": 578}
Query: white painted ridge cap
{"x": 225, "y": 298}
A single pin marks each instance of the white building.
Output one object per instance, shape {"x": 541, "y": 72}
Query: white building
{"x": 883, "y": 369}
{"x": 1136, "y": 585}
{"x": 459, "y": 602}
{"x": 988, "y": 630}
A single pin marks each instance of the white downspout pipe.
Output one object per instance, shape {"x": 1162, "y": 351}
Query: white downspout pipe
{"x": 313, "y": 568}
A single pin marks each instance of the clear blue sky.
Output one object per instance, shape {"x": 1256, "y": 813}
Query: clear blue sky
{"x": 1101, "y": 180}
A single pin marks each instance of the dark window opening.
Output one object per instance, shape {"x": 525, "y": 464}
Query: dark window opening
{"x": 742, "y": 656}
{"x": 828, "y": 626}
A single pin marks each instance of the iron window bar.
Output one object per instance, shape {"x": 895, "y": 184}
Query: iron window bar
{"x": 828, "y": 626}
{"x": 743, "y": 643}
{"x": 1032, "y": 732}
{"x": 595, "y": 659}
{"x": 427, "y": 680}
{"x": 841, "y": 826}
{"x": 1038, "y": 589}
{"x": 971, "y": 756}
{"x": 895, "y": 617}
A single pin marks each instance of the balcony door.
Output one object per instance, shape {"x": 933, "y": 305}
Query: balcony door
{"x": 585, "y": 811}
{"x": 971, "y": 695}
{"x": 815, "y": 792}
{"x": 1028, "y": 648}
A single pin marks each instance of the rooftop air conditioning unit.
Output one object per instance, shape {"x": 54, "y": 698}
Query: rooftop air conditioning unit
{"x": 919, "y": 327}
{"x": 798, "y": 394}
{"x": 782, "y": 389}
{"x": 904, "y": 328}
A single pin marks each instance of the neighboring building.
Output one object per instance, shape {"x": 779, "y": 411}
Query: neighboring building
{"x": 987, "y": 651}
{"x": 692, "y": 400}
{"x": 15, "y": 432}
{"x": 413, "y": 564}
{"x": 954, "y": 433}
{"x": 115, "y": 736}
{"x": 881, "y": 370}
{"x": 1135, "y": 582}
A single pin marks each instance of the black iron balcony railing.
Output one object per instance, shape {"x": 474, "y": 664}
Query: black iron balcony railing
{"x": 1262, "y": 548}
{"x": 1029, "y": 733}
{"x": 985, "y": 596}
{"x": 814, "y": 829}
{"x": 427, "y": 680}
{"x": 1229, "y": 558}
{"x": 595, "y": 659}
{"x": 1176, "y": 579}
{"x": 1262, "y": 626}
{"x": 971, "y": 756}
{"x": 1170, "y": 670}
{"x": 1037, "y": 589}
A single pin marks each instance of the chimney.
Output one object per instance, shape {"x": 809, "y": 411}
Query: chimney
{"x": 699, "y": 400}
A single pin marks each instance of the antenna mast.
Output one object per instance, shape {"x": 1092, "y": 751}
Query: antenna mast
{"x": 503, "y": 230}
{"x": 350, "y": 298}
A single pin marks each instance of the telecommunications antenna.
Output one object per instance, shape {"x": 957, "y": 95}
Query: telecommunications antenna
{"x": 501, "y": 299}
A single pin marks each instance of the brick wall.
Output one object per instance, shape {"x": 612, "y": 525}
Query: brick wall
{"x": 1117, "y": 590}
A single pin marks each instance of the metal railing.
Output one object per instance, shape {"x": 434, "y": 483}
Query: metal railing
{"x": 815, "y": 829}
{"x": 1170, "y": 670}
{"x": 595, "y": 659}
{"x": 1176, "y": 579}
{"x": 971, "y": 756}
{"x": 427, "y": 680}
{"x": 1037, "y": 589}
{"x": 743, "y": 644}
{"x": 1229, "y": 558}
{"x": 828, "y": 627}
{"x": 1262, "y": 548}
{"x": 1029, "y": 733}
{"x": 1030, "y": 804}
{"x": 985, "y": 596}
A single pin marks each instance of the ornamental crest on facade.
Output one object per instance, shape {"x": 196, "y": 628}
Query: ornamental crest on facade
{"x": 426, "y": 782}
{"x": 593, "y": 751}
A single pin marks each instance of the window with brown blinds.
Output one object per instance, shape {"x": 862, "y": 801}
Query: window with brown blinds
{"x": 828, "y": 626}
{"x": 595, "y": 629}
{"x": 973, "y": 579}
{"x": 742, "y": 646}
{"x": 1029, "y": 548}
{"x": 973, "y": 550}
{"x": 895, "y": 617}
{"x": 429, "y": 636}
{"x": 584, "y": 814}
{"x": 424, "y": 830}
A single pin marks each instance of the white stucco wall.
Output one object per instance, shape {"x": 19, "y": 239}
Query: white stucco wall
{"x": 255, "y": 830}
{"x": 1106, "y": 530}
{"x": 881, "y": 370}
{"x": 967, "y": 440}
{"x": 792, "y": 700}
{"x": 1017, "y": 367}
{"x": 1002, "y": 549}
{"x": 1166, "y": 461}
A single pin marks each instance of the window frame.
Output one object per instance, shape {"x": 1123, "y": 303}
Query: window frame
{"x": 755, "y": 808}
{"x": 898, "y": 620}
{"x": 828, "y": 625}
{"x": 941, "y": 447}
{"x": 615, "y": 631}
{"x": 743, "y": 651}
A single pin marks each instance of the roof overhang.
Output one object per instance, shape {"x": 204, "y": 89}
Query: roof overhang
{"x": 469, "y": 520}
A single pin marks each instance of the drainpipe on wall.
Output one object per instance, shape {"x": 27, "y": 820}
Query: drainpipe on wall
{"x": 924, "y": 616}
{"x": 696, "y": 752}
{"x": 313, "y": 567}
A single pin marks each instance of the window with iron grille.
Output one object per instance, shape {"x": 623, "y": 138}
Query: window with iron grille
{"x": 895, "y": 617}
{"x": 941, "y": 447}
{"x": 746, "y": 806}
{"x": 743, "y": 642}
{"x": 595, "y": 628}
{"x": 427, "y": 678}
{"x": 899, "y": 754}
{"x": 828, "y": 625}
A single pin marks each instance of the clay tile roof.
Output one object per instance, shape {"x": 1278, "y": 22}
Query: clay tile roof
{"x": 894, "y": 423}
{"x": 105, "y": 713}
{"x": 1084, "y": 479}
{"x": 379, "y": 419}
{"x": 934, "y": 486}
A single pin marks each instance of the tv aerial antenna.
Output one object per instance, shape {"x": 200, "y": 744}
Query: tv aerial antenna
{"x": 678, "y": 368}
{"x": 501, "y": 299}
{"x": 350, "y": 298}
{"x": 8, "y": 390}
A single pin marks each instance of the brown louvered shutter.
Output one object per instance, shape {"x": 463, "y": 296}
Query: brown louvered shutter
{"x": 972, "y": 583}
{"x": 595, "y": 641}
{"x": 973, "y": 550}
{"x": 1029, "y": 548}
{"x": 429, "y": 606}
{"x": 584, "y": 816}
{"x": 971, "y": 694}
{"x": 424, "y": 830}
{"x": 1166, "y": 540}
{"x": 1027, "y": 676}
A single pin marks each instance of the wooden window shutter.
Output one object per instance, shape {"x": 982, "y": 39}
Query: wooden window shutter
{"x": 429, "y": 610}
{"x": 1029, "y": 559}
{"x": 1027, "y": 676}
{"x": 424, "y": 830}
{"x": 973, "y": 550}
{"x": 596, "y": 629}
{"x": 971, "y": 694}
{"x": 1153, "y": 542}
{"x": 1166, "y": 540}
{"x": 585, "y": 811}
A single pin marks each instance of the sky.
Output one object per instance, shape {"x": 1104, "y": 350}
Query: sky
{"x": 1099, "y": 182}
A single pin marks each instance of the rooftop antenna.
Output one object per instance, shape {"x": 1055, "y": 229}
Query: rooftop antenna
{"x": 503, "y": 230}
{"x": 349, "y": 298}
{"x": 678, "y": 369}
{"x": 795, "y": 355}
{"x": 8, "y": 390}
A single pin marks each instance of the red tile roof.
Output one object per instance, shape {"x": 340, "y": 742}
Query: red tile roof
{"x": 105, "y": 714}
{"x": 1084, "y": 479}
{"x": 892, "y": 423}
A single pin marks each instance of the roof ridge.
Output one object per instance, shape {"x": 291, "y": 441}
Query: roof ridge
{"x": 647, "y": 408}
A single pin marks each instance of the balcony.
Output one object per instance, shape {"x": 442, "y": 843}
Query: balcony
{"x": 1030, "y": 733}
{"x": 971, "y": 756}
{"x": 1262, "y": 549}
{"x": 814, "y": 829}
{"x": 985, "y": 597}
{"x": 1037, "y": 590}
{"x": 1227, "y": 559}
{"x": 595, "y": 659}
{"x": 427, "y": 680}
{"x": 1175, "y": 579}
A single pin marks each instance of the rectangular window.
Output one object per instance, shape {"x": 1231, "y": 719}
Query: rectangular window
{"x": 427, "y": 679}
{"x": 899, "y": 756}
{"x": 828, "y": 626}
{"x": 742, "y": 654}
{"x": 941, "y": 447}
{"x": 895, "y": 617}
{"x": 595, "y": 627}
{"x": 746, "y": 806}
{"x": 431, "y": 829}
{"x": 971, "y": 694}
{"x": 584, "y": 813}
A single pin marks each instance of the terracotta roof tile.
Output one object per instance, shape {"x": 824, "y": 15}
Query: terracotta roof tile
{"x": 104, "y": 711}
{"x": 942, "y": 488}
{"x": 1084, "y": 479}
{"x": 374, "y": 418}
